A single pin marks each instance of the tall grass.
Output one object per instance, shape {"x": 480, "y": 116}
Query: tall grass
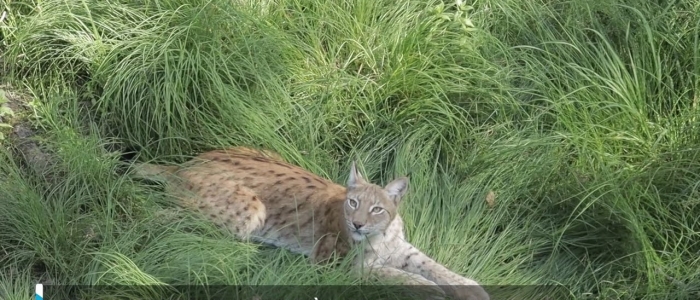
{"x": 548, "y": 142}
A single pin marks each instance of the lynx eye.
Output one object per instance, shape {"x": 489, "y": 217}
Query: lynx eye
{"x": 352, "y": 203}
{"x": 377, "y": 210}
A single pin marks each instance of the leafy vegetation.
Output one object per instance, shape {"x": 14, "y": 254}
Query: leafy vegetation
{"x": 548, "y": 142}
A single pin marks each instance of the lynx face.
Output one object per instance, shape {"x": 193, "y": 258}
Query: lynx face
{"x": 369, "y": 208}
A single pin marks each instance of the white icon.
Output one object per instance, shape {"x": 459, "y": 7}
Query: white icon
{"x": 39, "y": 291}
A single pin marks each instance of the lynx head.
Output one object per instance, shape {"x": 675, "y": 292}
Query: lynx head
{"x": 369, "y": 208}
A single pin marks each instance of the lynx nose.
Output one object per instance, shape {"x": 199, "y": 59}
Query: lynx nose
{"x": 357, "y": 225}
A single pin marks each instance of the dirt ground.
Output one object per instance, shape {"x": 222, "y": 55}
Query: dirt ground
{"x": 19, "y": 136}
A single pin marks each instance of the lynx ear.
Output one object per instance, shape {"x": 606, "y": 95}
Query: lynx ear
{"x": 355, "y": 178}
{"x": 397, "y": 189}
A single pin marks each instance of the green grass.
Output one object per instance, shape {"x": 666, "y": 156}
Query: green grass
{"x": 582, "y": 117}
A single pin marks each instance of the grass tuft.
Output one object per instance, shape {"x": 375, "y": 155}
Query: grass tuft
{"x": 547, "y": 142}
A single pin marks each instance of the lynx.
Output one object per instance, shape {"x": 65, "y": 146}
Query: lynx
{"x": 260, "y": 197}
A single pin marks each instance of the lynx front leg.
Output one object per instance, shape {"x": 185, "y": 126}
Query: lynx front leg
{"x": 452, "y": 283}
{"x": 407, "y": 278}
{"x": 326, "y": 246}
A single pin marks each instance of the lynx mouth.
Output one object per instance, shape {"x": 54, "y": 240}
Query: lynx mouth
{"x": 357, "y": 235}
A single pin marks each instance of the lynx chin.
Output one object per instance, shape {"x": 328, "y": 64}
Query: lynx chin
{"x": 259, "y": 197}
